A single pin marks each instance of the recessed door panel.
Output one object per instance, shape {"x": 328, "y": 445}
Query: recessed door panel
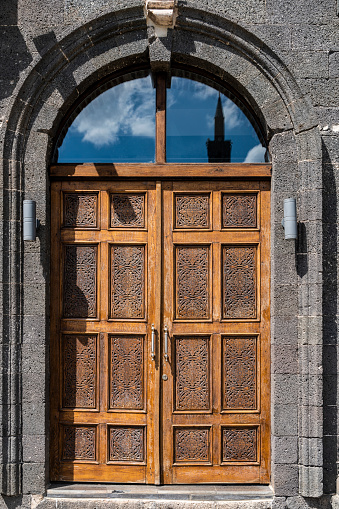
{"x": 127, "y": 368}
{"x": 192, "y": 373}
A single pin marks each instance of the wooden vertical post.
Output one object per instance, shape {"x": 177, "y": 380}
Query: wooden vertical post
{"x": 160, "y": 119}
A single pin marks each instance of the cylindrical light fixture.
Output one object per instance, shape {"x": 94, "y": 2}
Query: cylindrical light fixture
{"x": 29, "y": 220}
{"x": 290, "y": 219}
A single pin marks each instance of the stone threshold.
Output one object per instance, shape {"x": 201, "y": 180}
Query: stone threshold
{"x": 142, "y": 492}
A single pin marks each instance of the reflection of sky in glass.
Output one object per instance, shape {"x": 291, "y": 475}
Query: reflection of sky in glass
{"x": 190, "y": 122}
{"x": 117, "y": 126}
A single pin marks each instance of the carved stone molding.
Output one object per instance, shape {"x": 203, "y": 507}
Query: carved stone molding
{"x": 161, "y": 14}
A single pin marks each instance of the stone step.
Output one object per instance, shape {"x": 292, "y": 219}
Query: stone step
{"x": 106, "y": 503}
{"x": 113, "y": 496}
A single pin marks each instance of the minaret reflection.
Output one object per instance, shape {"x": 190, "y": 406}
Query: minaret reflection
{"x": 219, "y": 149}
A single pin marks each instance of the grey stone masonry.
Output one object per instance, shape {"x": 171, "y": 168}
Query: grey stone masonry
{"x": 282, "y": 57}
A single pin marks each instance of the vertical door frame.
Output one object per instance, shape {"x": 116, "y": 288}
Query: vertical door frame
{"x": 157, "y": 171}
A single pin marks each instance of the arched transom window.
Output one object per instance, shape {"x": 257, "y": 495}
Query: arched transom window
{"x": 144, "y": 120}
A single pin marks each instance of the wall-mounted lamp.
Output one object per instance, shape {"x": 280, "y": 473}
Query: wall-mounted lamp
{"x": 290, "y": 218}
{"x": 31, "y": 223}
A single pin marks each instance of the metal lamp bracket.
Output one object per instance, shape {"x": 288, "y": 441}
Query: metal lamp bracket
{"x": 289, "y": 222}
{"x": 30, "y": 222}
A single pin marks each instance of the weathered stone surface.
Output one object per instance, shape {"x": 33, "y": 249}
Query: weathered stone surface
{"x": 34, "y": 448}
{"x": 50, "y": 503}
{"x": 285, "y": 359}
{"x": 285, "y": 420}
{"x": 285, "y": 480}
{"x": 34, "y": 475}
{"x": 285, "y": 449}
{"x": 282, "y": 56}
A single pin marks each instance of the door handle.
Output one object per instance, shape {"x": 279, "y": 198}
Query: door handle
{"x": 153, "y": 343}
{"x": 166, "y": 343}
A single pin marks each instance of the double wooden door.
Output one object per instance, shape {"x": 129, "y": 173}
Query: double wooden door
{"x": 160, "y": 331}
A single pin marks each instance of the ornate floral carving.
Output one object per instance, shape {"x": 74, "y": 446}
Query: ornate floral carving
{"x": 239, "y": 210}
{"x": 127, "y": 372}
{"x": 126, "y": 444}
{"x": 239, "y": 278}
{"x": 80, "y": 210}
{"x": 192, "y": 374}
{"x": 79, "y": 371}
{"x": 192, "y": 282}
{"x": 239, "y": 444}
{"x": 79, "y": 296}
{"x": 127, "y": 210}
{"x": 191, "y": 444}
{"x": 192, "y": 211}
{"x": 79, "y": 443}
{"x": 239, "y": 372}
{"x": 128, "y": 282}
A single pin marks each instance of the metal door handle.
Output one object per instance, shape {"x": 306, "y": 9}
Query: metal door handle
{"x": 153, "y": 343}
{"x": 166, "y": 342}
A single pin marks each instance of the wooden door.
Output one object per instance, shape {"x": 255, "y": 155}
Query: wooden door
{"x": 160, "y": 331}
{"x": 104, "y": 401}
{"x": 215, "y": 381}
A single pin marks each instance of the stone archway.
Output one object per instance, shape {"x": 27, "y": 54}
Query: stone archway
{"x": 66, "y": 68}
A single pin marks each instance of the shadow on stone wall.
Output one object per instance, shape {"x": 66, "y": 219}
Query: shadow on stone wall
{"x": 13, "y": 48}
{"x": 301, "y": 260}
{"x": 330, "y": 301}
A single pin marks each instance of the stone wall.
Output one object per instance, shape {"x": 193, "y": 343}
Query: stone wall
{"x": 283, "y": 57}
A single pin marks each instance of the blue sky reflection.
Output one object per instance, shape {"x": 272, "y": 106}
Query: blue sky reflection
{"x": 190, "y": 122}
{"x": 117, "y": 126}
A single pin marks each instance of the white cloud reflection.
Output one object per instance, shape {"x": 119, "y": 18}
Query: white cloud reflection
{"x": 182, "y": 88}
{"x": 127, "y": 109}
{"x": 203, "y": 92}
{"x": 234, "y": 117}
{"x": 256, "y": 155}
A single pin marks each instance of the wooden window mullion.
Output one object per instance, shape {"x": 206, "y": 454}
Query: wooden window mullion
{"x": 160, "y": 119}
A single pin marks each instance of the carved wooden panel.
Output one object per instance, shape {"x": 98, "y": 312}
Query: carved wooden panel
{"x": 192, "y": 373}
{"x": 239, "y": 210}
{"x": 239, "y": 444}
{"x": 128, "y": 282}
{"x": 79, "y": 283}
{"x": 127, "y": 390}
{"x": 192, "y": 211}
{"x": 191, "y": 444}
{"x": 80, "y": 210}
{"x": 192, "y": 282}
{"x": 79, "y": 371}
{"x": 239, "y": 282}
{"x": 126, "y": 444}
{"x": 239, "y": 356}
{"x": 79, "y": 443}
{"x": 127, "y": 210}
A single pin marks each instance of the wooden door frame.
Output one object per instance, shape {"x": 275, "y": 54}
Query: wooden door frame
{"x": 112, "y": 171}
{"x": 160, "y": 169}
{"x": 204, "y": 172}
